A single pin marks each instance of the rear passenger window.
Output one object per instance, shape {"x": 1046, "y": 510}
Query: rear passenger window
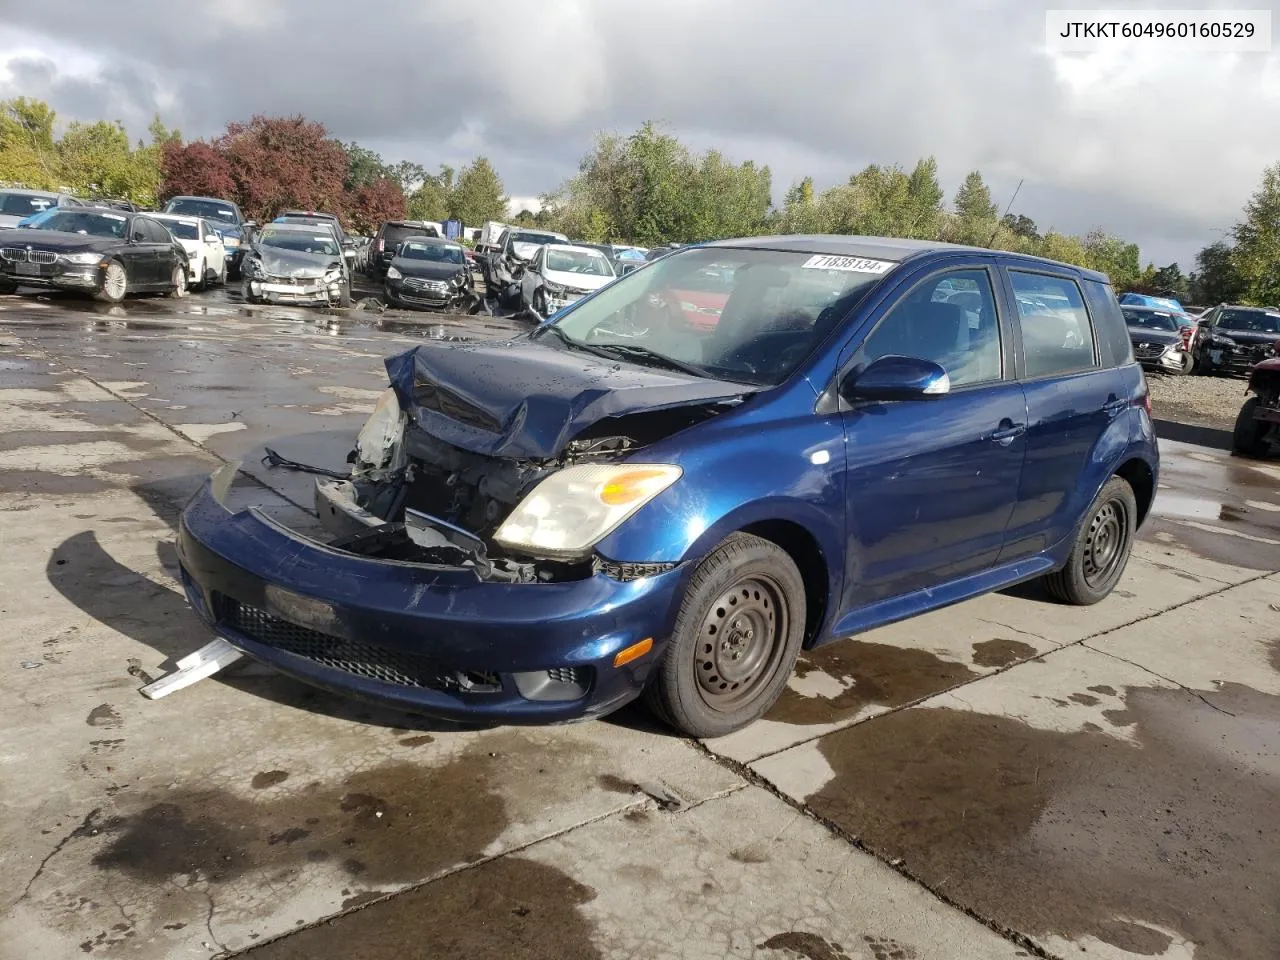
{"x": 1113, "y": 332}
{"x": 1056, "y": 334}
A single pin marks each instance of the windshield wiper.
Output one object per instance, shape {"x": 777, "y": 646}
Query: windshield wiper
{"x": 633, "y": 351}
{"x": 573, "y": 344}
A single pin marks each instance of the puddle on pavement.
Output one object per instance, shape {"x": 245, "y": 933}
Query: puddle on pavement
{"x": 510, "y": 907}
{"x": 1001, "y": 652}
{"x": 1081, "y": 834}
{"x": 848, "y": 675}
{"x": 393, "y": 824}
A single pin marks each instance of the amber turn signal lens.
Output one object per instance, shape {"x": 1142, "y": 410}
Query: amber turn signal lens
{"x": 629, "y": 487}
{"x": 633, "y": 652}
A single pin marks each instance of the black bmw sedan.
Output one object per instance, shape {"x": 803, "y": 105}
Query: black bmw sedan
{"x": 107, "y": 253}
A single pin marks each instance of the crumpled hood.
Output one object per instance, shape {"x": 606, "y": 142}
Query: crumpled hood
{"x": 524, "y": 400}
{"x": 524, "y": 251}
{"x": 291, "y": 263}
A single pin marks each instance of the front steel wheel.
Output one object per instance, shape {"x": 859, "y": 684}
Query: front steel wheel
{"x": 735, "y": 641}
{"x": 1102, "y": 547}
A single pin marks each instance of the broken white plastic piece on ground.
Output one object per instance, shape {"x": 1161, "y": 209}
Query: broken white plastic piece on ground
{"x": 205, "y": 662}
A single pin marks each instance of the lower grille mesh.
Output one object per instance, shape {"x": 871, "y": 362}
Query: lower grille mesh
{"x": 349, "y": 656}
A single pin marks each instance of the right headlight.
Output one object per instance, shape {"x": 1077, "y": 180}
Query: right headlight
{"x": 394, "y": 274}
{"x": 573, "y": 509}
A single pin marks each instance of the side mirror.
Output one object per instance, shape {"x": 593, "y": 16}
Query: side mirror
{"x": 897, "y": 378}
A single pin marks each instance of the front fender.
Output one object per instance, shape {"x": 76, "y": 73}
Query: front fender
{"x": 737, "y": 476}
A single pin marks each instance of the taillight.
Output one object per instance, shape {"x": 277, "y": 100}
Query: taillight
{"x": 1186, "y": 336}
{"x": 1146, "y": 403}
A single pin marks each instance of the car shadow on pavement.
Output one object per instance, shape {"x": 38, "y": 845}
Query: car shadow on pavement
{"x": 1192, "y": 433}
{"x": 157, "y": 616}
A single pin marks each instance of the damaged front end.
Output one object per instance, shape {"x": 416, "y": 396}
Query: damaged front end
{"x": 415, "y": 497}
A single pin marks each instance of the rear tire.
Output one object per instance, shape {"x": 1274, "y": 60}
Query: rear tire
{"x": 1102, "y": 547}
{"x": 735, "y": 641}
{"x": 178, "y": 283}
{"x": 1246, "y": 437}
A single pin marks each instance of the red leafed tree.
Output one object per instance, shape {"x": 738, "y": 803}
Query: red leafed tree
{"x": 195, "y": 169}
{"x": 381, "y": 200}
{"x": 281, "y": 163}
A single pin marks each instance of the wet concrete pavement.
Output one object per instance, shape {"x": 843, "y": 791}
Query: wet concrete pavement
{"x": 1008, "y": 777}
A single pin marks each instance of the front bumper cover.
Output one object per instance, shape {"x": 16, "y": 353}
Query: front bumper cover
{"x": 434, "y": 639}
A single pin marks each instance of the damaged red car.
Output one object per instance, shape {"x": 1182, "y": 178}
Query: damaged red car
{"x": 625, "y": 501}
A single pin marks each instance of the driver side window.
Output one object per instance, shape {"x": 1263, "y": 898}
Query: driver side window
{"x": 949, "y": 318}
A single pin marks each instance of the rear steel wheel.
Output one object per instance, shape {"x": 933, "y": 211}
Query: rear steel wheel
{"x": 1101, "y": 549}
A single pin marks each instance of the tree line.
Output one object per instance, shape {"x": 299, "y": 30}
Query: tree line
{"x": 644, "y": 188}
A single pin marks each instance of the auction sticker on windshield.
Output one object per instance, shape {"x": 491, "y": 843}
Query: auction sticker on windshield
{"x": 826, "y": 261}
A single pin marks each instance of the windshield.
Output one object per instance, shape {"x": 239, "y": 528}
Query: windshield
{"x": 393, "y": 235}
{"x": 24, "y": 205}
{"x": 1251, "y": 321}
{"x": 90, "y": 224}
{"x": 209, "y": 209}
{"x": 766, "y": 320}
{"x": 578, "y": 261}
{"x": 535, "y": 238}
{"x": 299, "y": 241}
{"x": 1151, "y": 320}
{"x": 435, "y": 252}
{"x": 183, "y": 231}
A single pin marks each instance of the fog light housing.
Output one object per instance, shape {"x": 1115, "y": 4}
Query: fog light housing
{"x": 557, "y": 684}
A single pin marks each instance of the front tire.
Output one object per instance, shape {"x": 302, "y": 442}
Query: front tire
{"x": 1101, "y": 549}
{"x": 1246, "y": 437}
{"x": 1188, "y": 363}
{"x": 115, "y": 283}
{"x": 8, "y": 287}
{"x": 735, "y": 641}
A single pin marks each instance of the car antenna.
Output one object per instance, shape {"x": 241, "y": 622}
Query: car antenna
{"x": 1006, "y": 213}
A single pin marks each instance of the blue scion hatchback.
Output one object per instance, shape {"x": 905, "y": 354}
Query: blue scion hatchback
{"x": 678, "y": 482}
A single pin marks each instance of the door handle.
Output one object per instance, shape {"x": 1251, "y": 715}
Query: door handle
{"x": 1007, "y": 432}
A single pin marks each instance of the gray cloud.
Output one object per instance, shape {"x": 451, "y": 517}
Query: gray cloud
{"x": 1136, "y": 143}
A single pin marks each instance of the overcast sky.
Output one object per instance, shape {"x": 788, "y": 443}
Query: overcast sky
{"x": 1161, "y": 147}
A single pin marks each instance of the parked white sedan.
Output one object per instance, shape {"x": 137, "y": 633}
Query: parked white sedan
{"x": 206, "y": 254}
{"x": 559, "y": 274}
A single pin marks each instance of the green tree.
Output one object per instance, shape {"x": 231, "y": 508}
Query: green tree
{"x": 1215, "y": 279}
{"x": 1257, "y": 242}
{"x": 364, "y": 167}
{"x": 478, "y": 194}
{"x": 1020, "y": 226}
{"x": 973, "y": 200}
{"x": 1170, "y": 282}
{"x": 924, "y": 201}
{"x": 430, "y": 201}
{"x": 27, "y": 152}
{"x": 1112, "y": 256}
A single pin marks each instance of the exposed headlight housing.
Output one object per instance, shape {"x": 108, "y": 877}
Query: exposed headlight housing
{"x": 394, "y": 274}
{"x": 333, "y": 276}
{"x": 83, "y": 258}
{"x": 575, "y": 508}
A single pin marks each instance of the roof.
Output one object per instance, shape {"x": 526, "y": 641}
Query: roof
{"x": 576, "y": 247}
{"x": 896, "y": 249}
{"x": 229, "y": 203}
{"x": 308, "y": 213}
{"x": 189, "y": 217}
{"x": 298, "y": 227}
{"x": 433, "y": 241}
{"x": 30, "y": 193}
